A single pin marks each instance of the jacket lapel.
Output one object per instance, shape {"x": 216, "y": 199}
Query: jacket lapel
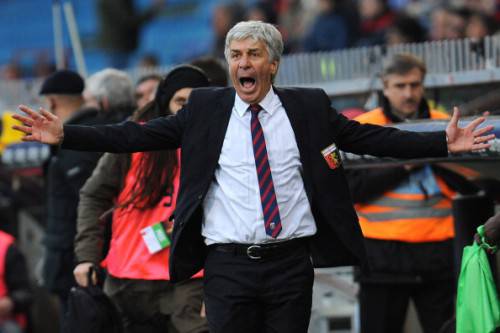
{"x": 299, "y": 121}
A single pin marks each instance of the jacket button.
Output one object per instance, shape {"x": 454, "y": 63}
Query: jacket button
{"x": 200, "y": 196}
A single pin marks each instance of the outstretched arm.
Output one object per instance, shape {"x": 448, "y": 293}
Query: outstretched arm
{"x": 390, "y": 142}
{"x": 157, "y": 134}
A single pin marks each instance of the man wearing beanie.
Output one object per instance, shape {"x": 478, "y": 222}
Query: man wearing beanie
{"x": 66, "y": 172}
{"x": 138, "y": 279}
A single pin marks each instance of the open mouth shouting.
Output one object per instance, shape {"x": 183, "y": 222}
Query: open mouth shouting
{"x": 247, "y": 83}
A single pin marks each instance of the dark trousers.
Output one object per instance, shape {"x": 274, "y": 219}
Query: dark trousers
{"x": 157, "y": 306}
{"x": 258, "y": 296}
{"x": 383, "y": 306}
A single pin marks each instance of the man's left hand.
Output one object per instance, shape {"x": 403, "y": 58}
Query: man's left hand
{"x": 469, "y": 138}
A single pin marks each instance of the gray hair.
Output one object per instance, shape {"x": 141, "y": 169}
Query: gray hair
{"x": 258, "y": 31}
{"x": 112, "y": 84}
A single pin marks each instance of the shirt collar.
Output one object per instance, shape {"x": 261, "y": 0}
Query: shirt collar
{"x": 269, "y": 104}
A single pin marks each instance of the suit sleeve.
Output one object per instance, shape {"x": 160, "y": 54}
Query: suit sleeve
{"x": 127, "y": 137}
{"x": 368, "y": 139}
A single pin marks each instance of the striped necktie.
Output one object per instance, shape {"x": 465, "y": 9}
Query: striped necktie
{"x": 272, "y": 220}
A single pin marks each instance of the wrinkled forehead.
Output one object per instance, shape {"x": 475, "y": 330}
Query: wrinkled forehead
{"x": 247, "y": 43}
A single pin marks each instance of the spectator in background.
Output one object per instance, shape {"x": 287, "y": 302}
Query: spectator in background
{"x": 455, "y": 23}
{"x": 448, "y": 23}
{"x": 15, "y": 290}
{"x": 330, "y": 19}
{"x": 11, "y": 71}
{"x": 486, "y": 7}
{"x": 145, "y": 89}
{"x": 110, "y": 91}
{"x": 376, "y": 19}
{"x": 438, "y": 24}
{"x": 294, "y": 21}
{"x": 43, "y": 66}
{"x": 262, "y": 11}
{"x": 224, "y": 17}
{"x": 215, "y": 69}
{"x": 120, "y": 27}
{"x": 479, "y": 26}
{"x": 405, "y": 29}
{"x": 148, "y": 61}
{"x": 66, "y": 172}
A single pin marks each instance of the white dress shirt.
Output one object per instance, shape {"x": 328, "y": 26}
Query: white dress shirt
{"x": 232, "y": 208}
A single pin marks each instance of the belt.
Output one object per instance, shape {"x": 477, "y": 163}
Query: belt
{"x": 260, "y": 251}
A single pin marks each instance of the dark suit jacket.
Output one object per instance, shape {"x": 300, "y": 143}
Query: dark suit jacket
{"x": 200, "y": 129}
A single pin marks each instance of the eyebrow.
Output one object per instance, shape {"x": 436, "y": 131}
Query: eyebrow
{"x": 250, "y": 50}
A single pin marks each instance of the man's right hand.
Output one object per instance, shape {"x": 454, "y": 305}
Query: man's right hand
{"x": 40, "y": 126}
{"x": 81, "y": 273}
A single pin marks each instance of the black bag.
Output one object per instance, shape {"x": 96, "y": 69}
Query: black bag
{"x": 89, "y": 310}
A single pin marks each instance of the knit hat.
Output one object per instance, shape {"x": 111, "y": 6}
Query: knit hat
{"x": 63, "y": 82}
{"x": 184, "y": 76}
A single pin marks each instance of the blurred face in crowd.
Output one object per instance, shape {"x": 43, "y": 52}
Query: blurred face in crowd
{"x": 476, "y": 28}
{"x": 394, "y": 37}
{"x": 438, "y": 24}
{"x": 221, "y": 20}
{"x": 179, "y": 99}
{"x": 325, "y": 6}
{"x": 404, "y": 92}
{"x": 94, "y": 102}
{"x": 370, "y": 8}
{"x": 256, "y": 14}
{"x": 482, "y": 6}
{"x": 145, "y": 92}
{"x": 251, "y": 69}
{"x": 455, "y": 26}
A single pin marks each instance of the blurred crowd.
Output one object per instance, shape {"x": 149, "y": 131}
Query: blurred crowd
{"x": 306, "y": 26}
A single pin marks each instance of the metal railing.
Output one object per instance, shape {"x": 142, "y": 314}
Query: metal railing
{"x": 450, "y": 62}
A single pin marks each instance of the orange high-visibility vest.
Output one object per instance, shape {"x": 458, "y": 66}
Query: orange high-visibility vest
{"x": 128, "y": 256}
{"x": 6, "y": 241}
{"x": 418, "y": 210}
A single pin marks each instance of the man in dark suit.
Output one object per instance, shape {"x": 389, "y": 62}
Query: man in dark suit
{"x": 262, "y": 187}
